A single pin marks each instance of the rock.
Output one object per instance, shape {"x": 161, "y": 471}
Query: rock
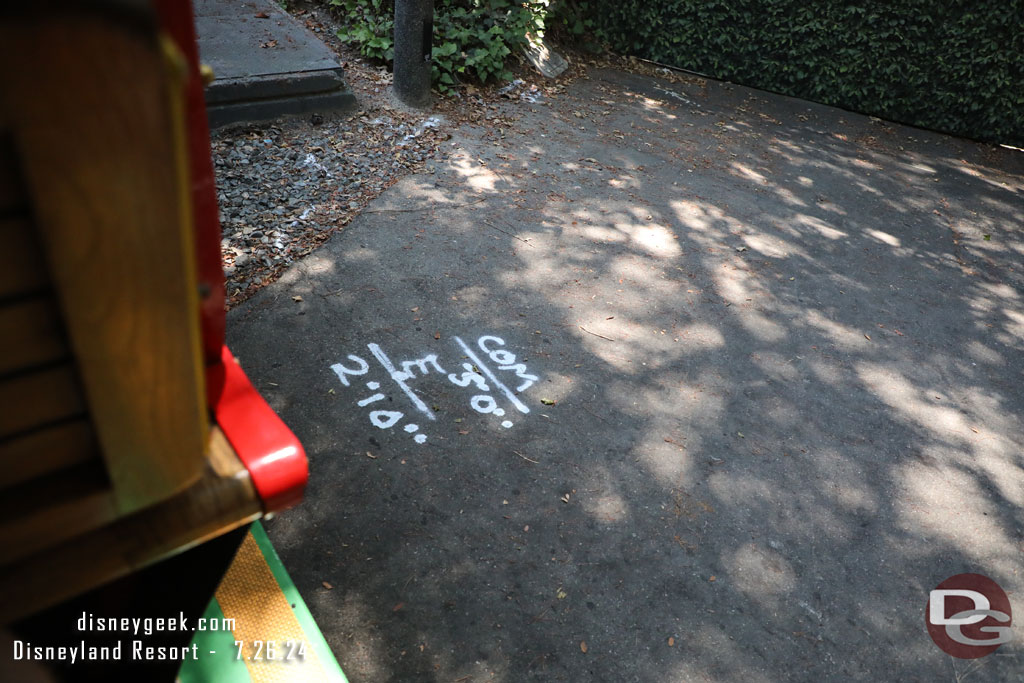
{"x": 545, "y": 60}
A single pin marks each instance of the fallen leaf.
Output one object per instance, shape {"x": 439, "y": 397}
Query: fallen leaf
{"x": 458, "y": 419}
{"x": 741, "y": 248}
{"x": 371, "y": 455}
{"x": 671, "y": 641}
{"x": 296, "y": 298}
{"x": 868, "y": 337}
{"x": 327, "y": 585}
{"x": 262, "y": 15}
{"x": 437, "y": 335}
{"x": 987, "y": 237}
{"x": 565, "y": 498}
{"x": 547, "y": 401}
{"x": 414, "y": 309}
{"x": 398, "y": 607}
{"x": 713, "y": 577}
{"x": 740, "y": 434}
{"x": 583, "y": 646}
{"x": 561, "y": 594}
{"x": 463, "y": 432}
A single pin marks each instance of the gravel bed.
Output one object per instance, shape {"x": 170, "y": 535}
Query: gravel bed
{"x": 284, "y": 188}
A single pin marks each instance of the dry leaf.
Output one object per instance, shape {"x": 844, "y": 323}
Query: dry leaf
{"x": 437, "y": 335}
{"x": 262, "y": 15}
{"x": 561, "y": 594}
{"x": 671, "y": 641}
{"x": 296, "y": 298}
{"x": 583, "y": 646}
{"x": 547, "y": 401}
{"x": 398, "y": 607}
{"x": 868, "y": 337}
{"x": 713, "y": 577}
{"x": 327, "y": 585}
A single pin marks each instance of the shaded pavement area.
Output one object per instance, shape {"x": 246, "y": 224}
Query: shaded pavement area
{"x": 660, "y": 382}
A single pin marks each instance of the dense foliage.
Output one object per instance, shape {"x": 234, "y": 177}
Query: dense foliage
{"x": 955, "y": 66}
{"x": 472, "y": 38}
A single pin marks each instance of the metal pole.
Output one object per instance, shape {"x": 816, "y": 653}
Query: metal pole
{"x": 414, "y": 25}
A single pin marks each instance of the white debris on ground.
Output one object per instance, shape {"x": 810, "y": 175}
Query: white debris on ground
{"x": 283, "y": 188}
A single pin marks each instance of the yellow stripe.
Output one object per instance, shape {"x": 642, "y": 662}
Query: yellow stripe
{"x": 251, "y": 596}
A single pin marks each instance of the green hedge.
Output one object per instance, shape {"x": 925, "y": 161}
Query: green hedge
{"x": 951, "y": 65}
{"x": 472, "y": 39}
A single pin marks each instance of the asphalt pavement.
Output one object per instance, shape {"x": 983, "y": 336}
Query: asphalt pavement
{"x": 658, "y": 382}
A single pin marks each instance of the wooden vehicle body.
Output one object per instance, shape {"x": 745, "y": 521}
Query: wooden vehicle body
{"x": 128, "y": 432}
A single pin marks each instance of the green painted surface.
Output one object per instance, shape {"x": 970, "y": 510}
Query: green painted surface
{"x": 217, "y": 662}
{"x": 291, "y": 593}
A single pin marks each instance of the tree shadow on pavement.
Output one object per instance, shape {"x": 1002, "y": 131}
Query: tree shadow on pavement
{"x": 783, "y": 344}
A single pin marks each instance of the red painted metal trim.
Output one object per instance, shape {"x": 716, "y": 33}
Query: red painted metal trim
{"x": 274, "y": 457}
{"x": 177, "y": 22}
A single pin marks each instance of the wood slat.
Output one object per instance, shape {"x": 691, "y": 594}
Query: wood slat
{"x": 12, "y": 191}
{"x": 44, "y": 451}
{"x": 52, "y": 509}
{"x": 22, "y": 269}
{"x": 223, "y": 499}
{"x": 95, "y": 109}
{"x": 38, "y": 398}
{"x": 30, "y": 334}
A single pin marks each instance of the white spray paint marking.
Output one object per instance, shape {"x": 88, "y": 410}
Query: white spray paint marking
{"x": 506, "y": 360}
{"x": 340, "y": 370}
{"x": 401, "y": 377}
{"x": 490, "y": 375}
{"x": 469, "y": 377}
{"x": 385, "y": 419}
{"x": 483, "y": 403}
{"x": 475, "y": 375}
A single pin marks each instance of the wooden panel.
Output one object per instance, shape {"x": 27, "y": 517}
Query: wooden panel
{"x": 12, "y": 192}
{"x": 95, "y": 110}
{"x": 51, "y": 509}
{"x": 222, "y": 500}
{"x": 30, "y": 334}
{"x": 39, "y": 398}
{"x": 21, "y": 264}
{"x": 47, "y": 450}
